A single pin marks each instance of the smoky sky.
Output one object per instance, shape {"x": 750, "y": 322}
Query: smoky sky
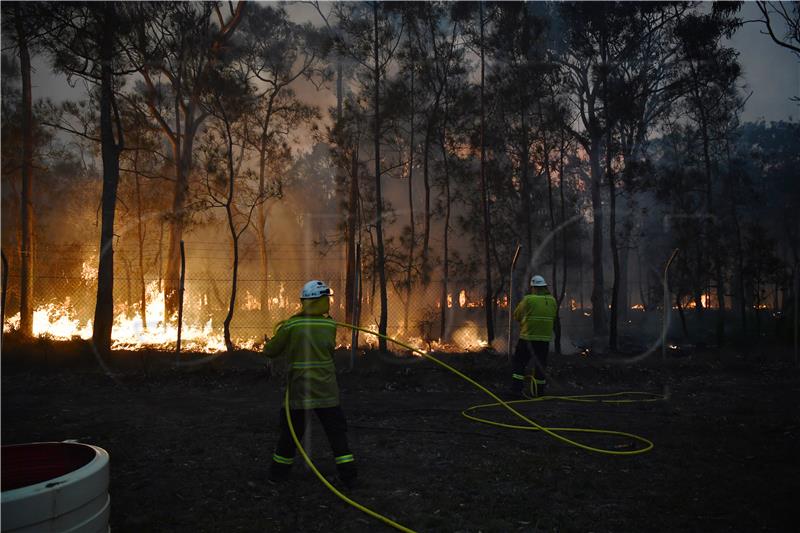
{"x": 771, "y": 72}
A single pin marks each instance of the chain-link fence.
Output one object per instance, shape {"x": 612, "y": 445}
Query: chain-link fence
{"x": 64, "y": 291}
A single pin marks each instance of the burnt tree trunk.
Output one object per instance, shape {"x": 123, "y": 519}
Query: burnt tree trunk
{"x": 598, "y": 298}
{"x": 234, "y": 237}
{"x": 446, "y": 230}
{"x": 563, "y": 291}
{"x": 381, "y": 259}
{"x": 262, "y": 211}
{"x": 140, "y": 239}
{"x": 412, "y": 234}
{"x": 110, "y": 148}
{"x": 26, "y": 205}
{"x": 351, "y": 281}
{"x": 488, "y": 299}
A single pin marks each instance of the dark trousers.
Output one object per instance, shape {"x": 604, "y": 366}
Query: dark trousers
{"x": 335, "y": 426}
{"x": 522, "y": 355}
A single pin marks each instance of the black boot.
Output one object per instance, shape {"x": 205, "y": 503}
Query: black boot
{"x": 348, "y": 474}
{"x": 279, "y": 473}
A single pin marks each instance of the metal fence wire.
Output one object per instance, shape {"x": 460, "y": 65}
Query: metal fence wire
{"x": 65, "y": 286}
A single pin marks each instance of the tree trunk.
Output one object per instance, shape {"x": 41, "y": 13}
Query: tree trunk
{"x": 26, "y": 211}
{"x": 720, "y": 328}
{"x": 488, "y": 300}
{"x": 263, "y": 259}
{"x": 352, "y": 236}
{"x": 563, "y": 290}
{"x": 183, "y": 158}
{"x": 411, "y": 224}
{"x": 612, "y": 200}
{"x": 379, "y": 196}
{"x": 234, "y": 241}
{"x": 140, "y": 238}
{"x": 446, "y": 251}
{"x": 261, "y": 230}
{"x": 598, "y": 298}
{"x": 623, "y": 309}
{"x": 110, "y": 148}
{"x": 612, "y": 229}
{"x": 426, "y": 231}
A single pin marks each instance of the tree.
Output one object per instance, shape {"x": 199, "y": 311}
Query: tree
{"x": 711, "y": 71}
{"x": 370, "y": 37}
{"x": 279, "y": 52}
{"x": 230, "y": 103}
{"x": 85, "y": 41}
{"x": 465, "y": 11}
{"x": 18, "y": 20}
{"x": 789, "y": 14}
{"x": 177, "y": 47}
{"x": 585, "y": 56}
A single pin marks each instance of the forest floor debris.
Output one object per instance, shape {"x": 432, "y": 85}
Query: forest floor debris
{"x": 190, "y": 447}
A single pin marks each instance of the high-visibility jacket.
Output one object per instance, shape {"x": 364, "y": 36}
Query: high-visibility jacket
{"x": 308, "y": 341}
{"x": 536, "y": 314}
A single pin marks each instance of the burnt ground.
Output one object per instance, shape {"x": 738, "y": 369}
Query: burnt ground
{"x": 190, "y": 447}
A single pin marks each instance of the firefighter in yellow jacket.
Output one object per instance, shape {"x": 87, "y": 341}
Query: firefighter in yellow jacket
{"x": 536, "y": 314}
{"x": 308, "y": 340}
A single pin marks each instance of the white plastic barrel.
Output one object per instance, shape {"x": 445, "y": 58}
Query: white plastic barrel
{"x": 55, "y": 486}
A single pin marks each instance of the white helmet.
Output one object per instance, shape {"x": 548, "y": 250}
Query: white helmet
{"x": 538, "y": 281}
{"x": 315, "y": 289}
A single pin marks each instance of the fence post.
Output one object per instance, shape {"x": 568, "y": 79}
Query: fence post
{"x": 510, "y": 298}
{"x": 356, "y": 304}
{"x": 667, "y": 308}
{"x": 5, "y": 289}
{"x": 180, "y": 298}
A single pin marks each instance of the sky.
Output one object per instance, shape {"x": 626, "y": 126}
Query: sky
{"x": 771, "y": 72}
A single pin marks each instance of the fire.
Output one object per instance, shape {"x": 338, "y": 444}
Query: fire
{"x": 467, "y": 337}
{"x": 88, "y": 270}
{"x": 573, "y": 305}
{"x": 250, "y": 302}
{"x": 129, "y": 332}
{"x": 54, "y": 321}
{"x": 637, "y": 307}
{"x": 200, "y": 333}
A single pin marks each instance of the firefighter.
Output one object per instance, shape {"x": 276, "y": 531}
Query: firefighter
{"x": 536, "y": 314}
{"x": 308, "y": 340}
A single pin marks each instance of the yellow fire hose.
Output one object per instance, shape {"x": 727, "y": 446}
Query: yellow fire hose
{"x": 619, "y": 397}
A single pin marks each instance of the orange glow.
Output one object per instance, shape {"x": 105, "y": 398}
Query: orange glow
{"x": 59, "y": 322}
{"x": 250, "y": 302}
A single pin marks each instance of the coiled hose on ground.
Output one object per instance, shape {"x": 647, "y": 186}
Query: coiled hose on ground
{"x": 530, "y": 425}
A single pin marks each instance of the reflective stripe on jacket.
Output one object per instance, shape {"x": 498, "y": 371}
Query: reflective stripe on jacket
{"x": 536, "y": 314}
{"x": 308, "y": 341}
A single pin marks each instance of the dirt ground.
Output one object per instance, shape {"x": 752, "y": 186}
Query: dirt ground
{"x": 190, "y": 446}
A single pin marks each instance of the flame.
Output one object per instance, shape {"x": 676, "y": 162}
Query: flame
{"x": 88, "y": 270}
{"x": 467, "y": 337}
{"x": 637, "y": 307}
{"x": 250, "y": 302}
{"x": 129, "y": 332}
{"x": 462, "y": 298}
{"x": 573, "y": 305}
